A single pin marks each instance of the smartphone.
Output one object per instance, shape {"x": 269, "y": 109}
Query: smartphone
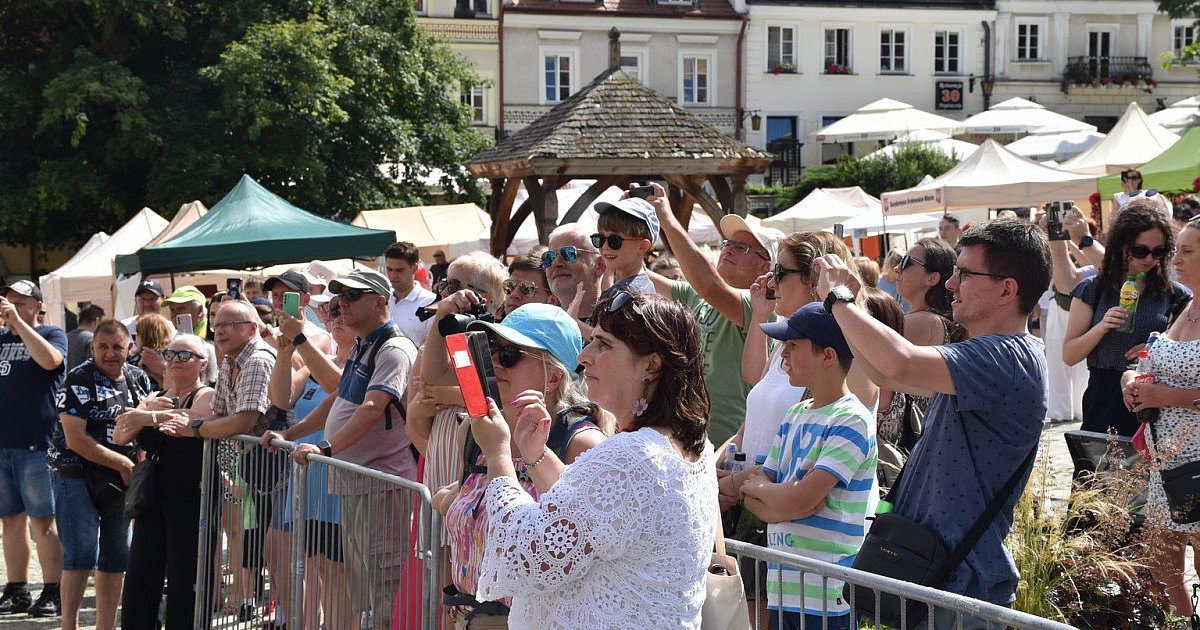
{"x": 233, "y": 287}
{"x": 641, "y": 192}
{"x": 291, "y": 303}
{"x": 183, "y": 324}
{"x": 471, "y": 357}
{"x": 839, "y": 230}
{"x": 1055, "y": 211}
{"x": 770, "y": 294}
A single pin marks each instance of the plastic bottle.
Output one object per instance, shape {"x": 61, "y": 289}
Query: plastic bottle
{"x": 759, "y": 460}
{"x": 730, "y": 451}
{"x": 1130, "y": 294}
{"x": 739, "y": 462}
{"x": 1145, "y": 375}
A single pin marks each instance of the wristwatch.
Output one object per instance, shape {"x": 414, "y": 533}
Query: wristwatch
{"x": 837, "y": 294}
{"x": 326, "y": 448}
{"x": 1086, "y": 241}
{"x": 195, "y": 424}
{"x": 299, "y": 340}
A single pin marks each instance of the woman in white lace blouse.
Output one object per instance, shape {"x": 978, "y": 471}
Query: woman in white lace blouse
{"x": 623, "y": 537}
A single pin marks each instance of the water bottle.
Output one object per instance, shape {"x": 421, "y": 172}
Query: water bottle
{"x": 1130, "y": 293}
{"x": 759, "y": 460}
{"x": 739, "y": 462}
{"x": 730, "y": 451}
{"x": 1145, "y": 375}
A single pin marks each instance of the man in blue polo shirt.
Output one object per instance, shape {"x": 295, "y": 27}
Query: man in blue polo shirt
{"x": 31, "y": 371}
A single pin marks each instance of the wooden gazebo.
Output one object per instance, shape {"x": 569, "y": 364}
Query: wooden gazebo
{"x": 616, "y": 131}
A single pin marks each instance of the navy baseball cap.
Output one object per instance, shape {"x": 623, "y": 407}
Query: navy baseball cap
{"x": 811, "y": 322}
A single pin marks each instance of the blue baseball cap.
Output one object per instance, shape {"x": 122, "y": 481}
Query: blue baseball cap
{"x": 637, "y": 208}
{"x": 542, "y": 326}
{"x": 811, "y": 322}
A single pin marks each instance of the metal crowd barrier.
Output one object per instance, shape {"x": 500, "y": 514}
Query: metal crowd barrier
{"x": 352, "y": 565}
{"x": 964, "y": 608}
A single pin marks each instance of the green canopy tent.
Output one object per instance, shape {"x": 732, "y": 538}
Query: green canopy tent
{"x": 253, "y": 227}
{"x": 1174, "y": 169}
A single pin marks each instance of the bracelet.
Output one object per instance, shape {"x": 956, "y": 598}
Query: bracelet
{"x": 154, "y": 418}
{"x": 532, "y": 465}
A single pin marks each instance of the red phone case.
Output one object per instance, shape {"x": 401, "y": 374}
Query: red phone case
{"x": 468, "y": 376}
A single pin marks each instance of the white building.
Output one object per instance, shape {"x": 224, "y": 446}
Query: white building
{"x": 472, "y": 28}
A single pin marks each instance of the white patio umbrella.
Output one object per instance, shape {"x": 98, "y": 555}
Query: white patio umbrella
{"x": 1054, "y": 145}
{"x": 1133, "y": 141}
{"x": 823, "y": 207}
{"x": 934, "y": 139}
{"x": 1017, "y": 115}
{"x": 1180, "y": 116}
{"x": 884, "y": 119}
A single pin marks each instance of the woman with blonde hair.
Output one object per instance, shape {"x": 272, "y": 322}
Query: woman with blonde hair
{"x": 152, "y": 332}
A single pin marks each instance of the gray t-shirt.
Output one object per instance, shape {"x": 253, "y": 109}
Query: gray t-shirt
{"x": 383, "y": 448}
{"x": 973, "y": 441}
{"x": 79, "y": 347}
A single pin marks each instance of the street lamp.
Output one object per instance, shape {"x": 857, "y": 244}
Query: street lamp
{"x": 755, "y": 118}
{"x": 986, "y": 85}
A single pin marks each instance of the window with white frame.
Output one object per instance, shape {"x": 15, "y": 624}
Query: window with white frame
{"x": 480, "y": 7}
{"x": 419, "y": 7}
{"x": 947, "y": 52}
{"x": 473, "y": 96}
{"x": 696, "y": 85}
{"x": 781, "y": 49}
{"x": 837, "y": 50}
{"x": 633, "y": 63}
{"x": 1184, "y": 35}
{"x": 558, "y": 73}
{"x": 1029, "y": 41}
{"x": 893, "y": 51}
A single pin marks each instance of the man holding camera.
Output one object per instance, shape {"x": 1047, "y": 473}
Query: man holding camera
{"x": 364, "y": 425}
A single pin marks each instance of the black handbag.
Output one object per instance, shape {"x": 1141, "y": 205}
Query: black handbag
{"x": 901, "y": 548}
{"x": 105, "y": 487}
{"x": 1182, "y": 487}
{"x": 140, "y": 496}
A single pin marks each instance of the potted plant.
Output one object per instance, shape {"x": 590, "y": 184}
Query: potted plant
{"x": 834, "y": 68}
{"x": 784, "y": 68}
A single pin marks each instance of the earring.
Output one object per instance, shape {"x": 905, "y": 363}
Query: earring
{"x": 642, "y": 405}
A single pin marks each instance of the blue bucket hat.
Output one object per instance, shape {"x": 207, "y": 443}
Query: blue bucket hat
{"x": 542, "y": 326}
{"x": 811, "y": 322}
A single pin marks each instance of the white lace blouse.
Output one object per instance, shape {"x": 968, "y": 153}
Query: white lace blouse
{"x": 623, "y": 540}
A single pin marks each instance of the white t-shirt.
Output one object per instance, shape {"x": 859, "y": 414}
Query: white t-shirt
{"x": 766, "y": 405}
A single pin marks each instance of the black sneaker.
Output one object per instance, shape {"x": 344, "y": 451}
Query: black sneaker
{"x": 48, "y": 603}
{"x": 16, "y": 599}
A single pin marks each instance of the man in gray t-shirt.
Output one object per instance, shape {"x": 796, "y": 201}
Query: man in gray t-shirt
{"x": 79, "y": 340}
{"x": 989, "y": 395}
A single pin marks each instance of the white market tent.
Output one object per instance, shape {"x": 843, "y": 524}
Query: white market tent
{"x": 821, "y": 208}
{"x": 1017, "y": 115}
{"x": 1054, "y": 146}
{"x": 884, "y": 119}
{"x": 930, "y": 138}
{"x": 430, "y": 228}
{"x": 1180, "y": 116}
{"x": 1133, "y": 141}
{"x": 89, "y": 277}
{"x": 993, "y": 177}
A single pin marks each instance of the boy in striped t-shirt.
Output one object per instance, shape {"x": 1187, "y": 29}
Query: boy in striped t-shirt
{"x": 817, "y": 482}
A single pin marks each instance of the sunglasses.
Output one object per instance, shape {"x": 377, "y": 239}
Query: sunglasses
{"x": 453, "y": 286}
{"x": 508, "y": 355}
{"x": 615, "y": 241}
{"x": 1130, "y": 177}
{"x": 334, "y": 313}
{"x": 742, "y": 248}
{"x": 619, "y": 301}
{"x": 569, "y": 254}
{"x": 527, "y": 287}
{"x": 1141, "y": 251}
{"x": 907, "y": 261}
{"x": 183, "y": 355}
{"x": 352, "y": 295}
{"x": 1148, "y": 193}
{"x": 779, "y": 272}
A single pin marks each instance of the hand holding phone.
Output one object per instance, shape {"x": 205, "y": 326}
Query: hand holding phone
{"x": 641, "y": 192}
{"x": 183, "y": 324}
{"x": 233, "y": 287}
{"x": 471, "y": 357}
{"x": 291, "y": 303}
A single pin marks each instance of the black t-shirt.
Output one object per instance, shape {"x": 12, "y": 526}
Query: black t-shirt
{"x": 180, "y": 459}
{"x": 28, "y": 391}
{"x": 98, "y": 400}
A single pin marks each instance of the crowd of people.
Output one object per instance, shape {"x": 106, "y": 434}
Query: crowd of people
{"x": 768, "y": 391}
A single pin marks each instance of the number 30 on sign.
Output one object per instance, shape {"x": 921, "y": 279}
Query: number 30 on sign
{"x": 949, "y": 95}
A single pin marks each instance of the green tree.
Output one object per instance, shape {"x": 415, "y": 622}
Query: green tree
{"x": 875, "y": 174}
{"x": 111, "y": 106}
{"x": 1181, "y": 9}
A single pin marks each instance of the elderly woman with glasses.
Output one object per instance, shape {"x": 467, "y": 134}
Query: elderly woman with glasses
{"x": 621, "y": 538}
{"x": 534, "y": 357}
{"x": 165, "y": 541}
{"x": 1140, "y": 242}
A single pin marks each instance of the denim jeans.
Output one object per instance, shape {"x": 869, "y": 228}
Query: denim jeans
{"x": 91, "y": 540}
{"x": 25, "y": 483}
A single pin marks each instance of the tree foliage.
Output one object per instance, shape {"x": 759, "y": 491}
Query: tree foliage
{"x": 1179, "y": 9}
{"x": 876, "y": 174}
{"x": 111, "y": 106}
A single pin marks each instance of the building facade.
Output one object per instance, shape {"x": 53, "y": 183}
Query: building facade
{"x": 472, "y": 28}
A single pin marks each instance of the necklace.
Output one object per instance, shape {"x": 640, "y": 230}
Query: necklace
{"x": 1188, "y": 316}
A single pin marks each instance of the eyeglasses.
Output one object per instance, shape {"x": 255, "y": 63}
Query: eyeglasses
{"x": 220, "y": 325}
{"x": 960, "y": 273}
{"x": 907, "y": 261}
{"x": 352, "y": 295}
{"x": 1141, "y": 251}
{"x": 1148, "y": 193}
{"x": 527, "y": 287}
{"x": 742, "y": 248}
{"x": 615, "y": 241}
{"x": 569, "y": 254}
{"x": 334, "y": 313}
{"x": 454, "y": 285}
{"x": 508, "y": 355}
{"x": 1130, "y": 176}
{"x": 183, "y": 355}
{"x": 779, "y": 272}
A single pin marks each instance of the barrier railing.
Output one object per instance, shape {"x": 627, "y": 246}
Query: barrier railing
{"x": 968, "y": 612}
{"x": 329, "y": 545}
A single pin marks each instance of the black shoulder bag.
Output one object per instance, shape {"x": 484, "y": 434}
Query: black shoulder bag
{"x": 1181, "y": 485}
{"x": 901, "y": 548}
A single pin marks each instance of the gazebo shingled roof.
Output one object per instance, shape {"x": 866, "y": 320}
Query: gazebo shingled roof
{"x": 616, "y": 131}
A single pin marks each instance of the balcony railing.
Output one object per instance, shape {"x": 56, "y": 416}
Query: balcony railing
{"x": 1088, "y": 70}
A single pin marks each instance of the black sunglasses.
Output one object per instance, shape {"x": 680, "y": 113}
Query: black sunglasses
{"x": 907, "y": 261}
{"x": 506, "y": 356}
{"x": 352, "y": 295}
{"x": 184, "y": 355}
{"x": 527, "y": 287}
{"x": 779, "y": 272}
{"x": 1148, "y": 193}
{"x": 449, "y": 285}
{"x": 618, "y": 301}
{"x": 569, "y": 254}
{"x": 1159, "y": 253}
{"x": 615, "y": 241}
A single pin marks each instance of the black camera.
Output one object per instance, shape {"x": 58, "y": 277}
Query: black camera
{"x": 458, "y": 322}
{"x": 1055, "y": 211}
